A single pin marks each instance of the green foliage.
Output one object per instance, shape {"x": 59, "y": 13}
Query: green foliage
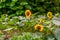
{"x": 2, "y": 26}
{"x": 26, "y": 36}
{"x": 57, "y": 33}
{"x": 17, "y": 7}
{"x": 13, "y": 20}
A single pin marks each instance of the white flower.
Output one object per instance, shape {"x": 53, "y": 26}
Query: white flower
{"x": 17, "y": 23}
{"x": 4, "y": 22}
{"x": 15, "y": 17}
{"x": 6, "y": 15}
{"x": 6, "y": 19}
{"x": 11, "y": 19}
{"x": 21, "y": 17}
{"x": 8, "y": 29}
{"x": 21, "y": 23}
{"x": 40, "y": 16}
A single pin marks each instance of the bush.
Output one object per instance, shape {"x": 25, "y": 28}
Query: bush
{"x": 17, "y": 7}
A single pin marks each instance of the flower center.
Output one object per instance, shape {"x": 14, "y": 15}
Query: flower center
{"x": 38, "y": 27}
{"x": 28, "y": 13}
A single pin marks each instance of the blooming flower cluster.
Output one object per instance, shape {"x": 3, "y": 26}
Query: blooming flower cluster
{"x": 38, "y": 26}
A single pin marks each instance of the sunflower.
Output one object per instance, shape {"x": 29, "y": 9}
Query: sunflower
{"x": 27, "y": 13}
{"x": 38, "y": 27}
{"x": 49, "y": 15}
{"x": 41, "y": 20}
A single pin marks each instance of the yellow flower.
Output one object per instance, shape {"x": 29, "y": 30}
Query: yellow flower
{"x": 41, "y": 20}
{"x": 49, "y": 15}
{"x": 0, "y": 32}
{"x": 27, "y": 13}
{"x": 38, "y": 27}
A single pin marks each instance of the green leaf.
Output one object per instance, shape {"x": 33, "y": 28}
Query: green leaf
{"x": 3, "y": 17}
{"x": 2, "y": 26}
{"x": 28, "y": 7}
{"x": 2, "y": 1}
{"x": 23, "y": 3}
{"x": 19, "y": 12}
{"x": 2, "y": 5}
{"x": 12, "y": 21}
{"x": 16, "y": 7}
{"x": 12, "y": 4}
{"x": 14, "y": 0}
